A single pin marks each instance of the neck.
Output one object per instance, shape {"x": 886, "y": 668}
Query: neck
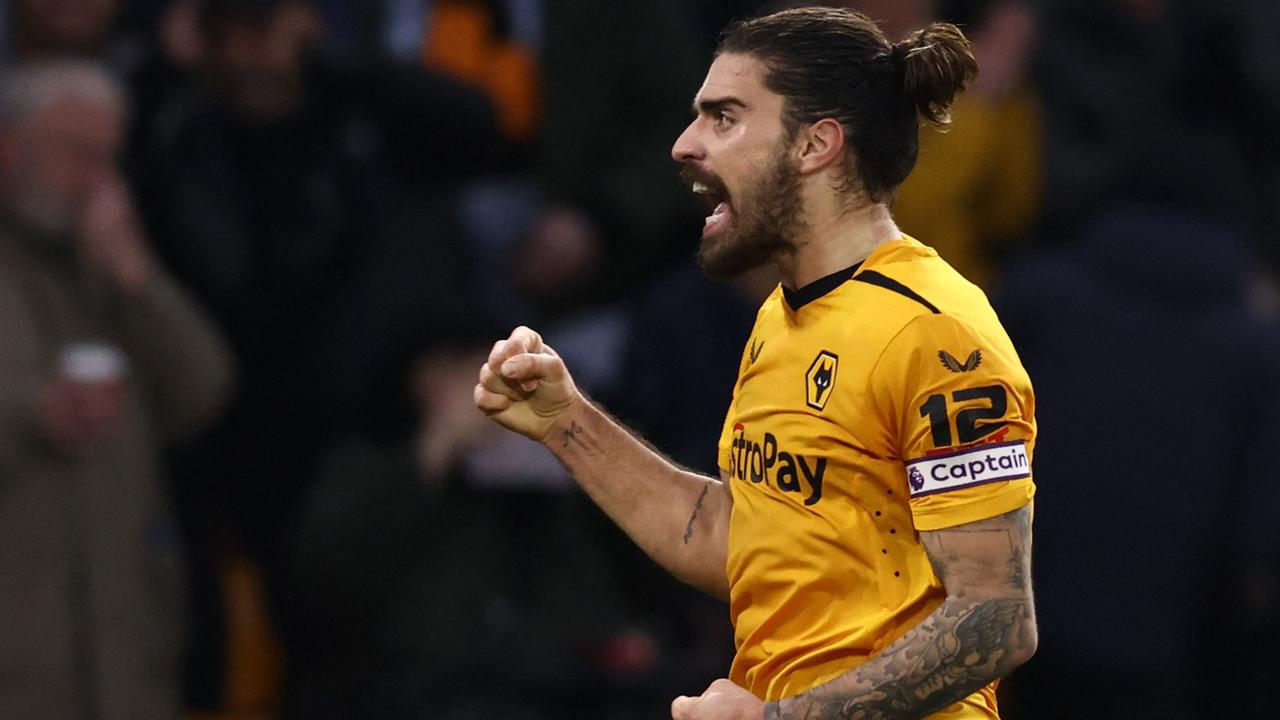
{"x": 837, "y": 240}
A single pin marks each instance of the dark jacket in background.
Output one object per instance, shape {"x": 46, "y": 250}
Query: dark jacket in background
{"x": 1172, "y": 102}
{"x": 1158, "y": 386}
{"x": 619, "y": 79}
{"x": 327, "y": 248}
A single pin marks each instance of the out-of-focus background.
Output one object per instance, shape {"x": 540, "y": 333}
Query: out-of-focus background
{"x": 253, "y": 251}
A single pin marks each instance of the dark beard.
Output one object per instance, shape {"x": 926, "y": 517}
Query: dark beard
{"x": 765, "y": 218}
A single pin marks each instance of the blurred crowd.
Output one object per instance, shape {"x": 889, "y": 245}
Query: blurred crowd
{"x": 252, "y": 253}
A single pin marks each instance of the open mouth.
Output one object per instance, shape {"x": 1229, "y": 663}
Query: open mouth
{"x": 717, "y": 202}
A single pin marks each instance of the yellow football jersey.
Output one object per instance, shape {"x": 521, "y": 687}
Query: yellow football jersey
{"x": 877, "y": 402}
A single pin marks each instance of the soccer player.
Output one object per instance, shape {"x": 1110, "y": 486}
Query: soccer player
{"x": 871, "y": 528}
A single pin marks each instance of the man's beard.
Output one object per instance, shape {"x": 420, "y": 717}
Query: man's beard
{"x": 764, "y": 222}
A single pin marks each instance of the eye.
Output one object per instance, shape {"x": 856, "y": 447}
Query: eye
{"x": 723, "y": 120}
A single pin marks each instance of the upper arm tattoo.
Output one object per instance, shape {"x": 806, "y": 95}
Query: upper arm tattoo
{"x": 989, "y": 557}
{"x": 983, "y": 629}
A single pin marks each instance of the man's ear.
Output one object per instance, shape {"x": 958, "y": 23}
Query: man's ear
{"x": 821, "y": 146}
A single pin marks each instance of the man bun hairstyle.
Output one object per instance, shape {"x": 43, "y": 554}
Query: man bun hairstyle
{"x": 937, "y": 64}
{"x": 835, "y": 63}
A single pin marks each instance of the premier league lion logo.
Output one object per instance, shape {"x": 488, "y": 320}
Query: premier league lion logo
{"x": 915, "y": 479}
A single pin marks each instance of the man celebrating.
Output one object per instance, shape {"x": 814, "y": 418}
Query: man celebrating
{"x": 871, "y": 527}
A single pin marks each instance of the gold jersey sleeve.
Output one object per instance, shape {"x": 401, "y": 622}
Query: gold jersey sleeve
{"x": 962, "y": 415}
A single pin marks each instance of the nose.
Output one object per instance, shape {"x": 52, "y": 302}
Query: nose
{"x": 688, "y": 148}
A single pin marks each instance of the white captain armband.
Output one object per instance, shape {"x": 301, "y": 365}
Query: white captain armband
{"x": 968, "y": 467}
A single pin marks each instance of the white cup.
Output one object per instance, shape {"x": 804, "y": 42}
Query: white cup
{"x": 93, "y": 363}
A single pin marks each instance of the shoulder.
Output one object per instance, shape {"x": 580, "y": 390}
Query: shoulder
{"x": 921, "y": 279}
{"x": 924, "y": 306}
{"x": 905, "y": 282}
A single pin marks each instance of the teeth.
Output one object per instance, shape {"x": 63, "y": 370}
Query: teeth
{"x": 701, "y": 188}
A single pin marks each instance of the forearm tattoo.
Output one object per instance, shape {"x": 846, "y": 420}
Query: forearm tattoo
{"x": 688, "y": 531}
{"x": 966, "y": 643}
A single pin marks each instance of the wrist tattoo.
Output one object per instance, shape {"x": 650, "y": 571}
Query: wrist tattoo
{"x": 571, "y": 434}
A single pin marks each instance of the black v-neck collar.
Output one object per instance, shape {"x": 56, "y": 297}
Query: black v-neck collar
{"x": 800, "y": 297}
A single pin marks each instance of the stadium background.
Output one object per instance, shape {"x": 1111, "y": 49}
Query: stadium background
{"x": 364, "y": 194}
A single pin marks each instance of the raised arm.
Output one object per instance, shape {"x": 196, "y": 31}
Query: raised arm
{"x": 180, "y": 357}
{"x": 982, "y": 630}
{"x": 680, "y": 518}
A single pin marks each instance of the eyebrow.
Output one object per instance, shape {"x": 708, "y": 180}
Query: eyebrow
{"x": 711, "y": 105}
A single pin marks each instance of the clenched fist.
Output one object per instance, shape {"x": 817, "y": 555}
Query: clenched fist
{"x": 722, "y": 700}
{"x": 524, "y": 385}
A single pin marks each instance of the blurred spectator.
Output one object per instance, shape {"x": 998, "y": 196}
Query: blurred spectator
{"x": 42, "y": 29}
{"x": 305, "y": 202}
{"x": 680, "y": 407}
{"x": 1142, "y": 339}
{"x": 478, "y": 41}
{"x": 660, "y": 636}
{"x": 706, "y": 324}
{"x": 299, "y": 199}
{"x": 976, "y": 188}
{"x": 493, "y": 46}
{"x": 308, "y": 204}
{"x": 656, "y": 636}
{"x": 618, "y": 79}
{"x": 104, "y": 361}
{"x": 1169, "y": 101}
{"x": 138, "y": 41}
{"x": 1161, "y": 391}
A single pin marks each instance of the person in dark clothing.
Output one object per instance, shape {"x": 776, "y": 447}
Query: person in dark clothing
{"x": 1165, "y": 390}
{"x": 306, "y": 203}
{"x": 706, "y": 325}
{"x": 303, "y": 203}
{"x": 1178, "y": 96}
{"x": 680, "y": 407}
{"x": 617, "y": 79}
{"x": 140, "y": 42}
